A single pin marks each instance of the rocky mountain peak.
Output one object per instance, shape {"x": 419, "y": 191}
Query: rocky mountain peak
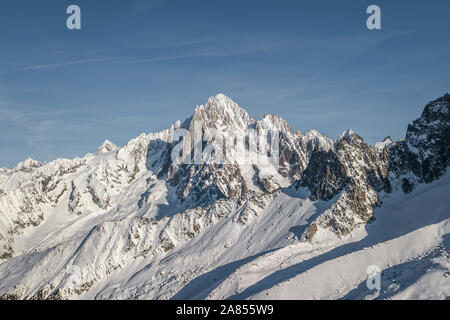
{"x": 28, "y": 164}
{"x": 107, "y": 146}
{"x": 437, "y": 110}
{"x": 425, "y": 151}
{"x": 220, "y": 112}
{"x": 350, "y": 136}
{"x": 276, "y": 122}
{"x": 388, "y": 141}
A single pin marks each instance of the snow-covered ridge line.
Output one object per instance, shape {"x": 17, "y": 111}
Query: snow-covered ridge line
{"x": 129, "y": 211}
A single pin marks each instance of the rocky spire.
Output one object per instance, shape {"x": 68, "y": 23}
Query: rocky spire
{"x": 107, "y": 146}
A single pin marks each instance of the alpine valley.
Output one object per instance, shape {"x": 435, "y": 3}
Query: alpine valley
{"x": 128, "y": 223}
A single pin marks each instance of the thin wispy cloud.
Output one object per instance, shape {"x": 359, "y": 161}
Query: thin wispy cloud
{"x": 174, "y": 44}
{"x": 178, "y": 57}
{"x": 35, "y": 125}
{"x": 254, "y": 44}
{"x": 181, "y": 43}
{"x": 64, "y": 64}
{"x": 218, "y": 52}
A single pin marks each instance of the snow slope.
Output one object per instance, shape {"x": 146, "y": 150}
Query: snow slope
{"x": 130, "y": 223}
{"x": 409, "y": 242}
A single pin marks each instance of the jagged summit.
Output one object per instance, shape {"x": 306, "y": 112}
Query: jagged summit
{"x": 219, "y": 99}
{"x": 385, "y": 143}
{"x": 313, "y": 133}
{"x": 444, "y": 98}
{"x": 220, "y": 112}
{"x": 28, "y": 164}
{"x": 425, "y": 151}
{"x": 437, "y": 110}
{"x": 347, "y": 134}
{"x": 107, "y": 146}
{"x": 276, "y": 122}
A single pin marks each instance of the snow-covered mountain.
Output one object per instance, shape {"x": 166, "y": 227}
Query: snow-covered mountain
{"x": 133, "y": 223}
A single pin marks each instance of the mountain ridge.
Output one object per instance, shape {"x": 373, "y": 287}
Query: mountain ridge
{"x": 148, "y": 206}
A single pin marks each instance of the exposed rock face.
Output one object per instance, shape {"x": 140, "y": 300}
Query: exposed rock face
{"x": 356, "y": 173}
{"x": 352, "y": 173}
{"x": 325, "y": 176}
{"x": 426, "y": 149}
{"x": 220, "y": 112}
{"x": 201, "y": 184}
{"x": 107, "y": 146}
{"x": 135, "y": 202}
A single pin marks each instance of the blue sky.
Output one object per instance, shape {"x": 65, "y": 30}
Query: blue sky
{"x": 139, "y": 65}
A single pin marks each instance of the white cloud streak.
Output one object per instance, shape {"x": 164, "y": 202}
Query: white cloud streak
{"x": 58, "y": 65}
